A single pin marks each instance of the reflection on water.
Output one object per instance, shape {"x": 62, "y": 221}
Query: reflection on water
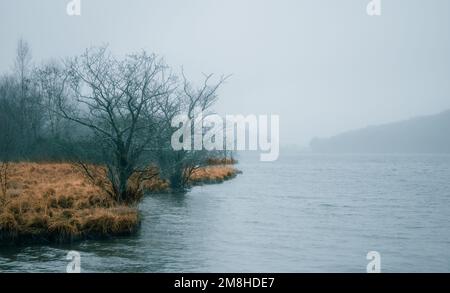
{"x": 303, "y": 213}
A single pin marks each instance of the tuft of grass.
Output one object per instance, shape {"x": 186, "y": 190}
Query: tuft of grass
{"x": 213, "y": 174}
{"x": 116, "y": 221}
{"x": 9, "y": 228}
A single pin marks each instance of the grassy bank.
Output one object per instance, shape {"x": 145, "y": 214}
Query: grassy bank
{"x": 56, "y": 203}
{"x": 213, "y": 174}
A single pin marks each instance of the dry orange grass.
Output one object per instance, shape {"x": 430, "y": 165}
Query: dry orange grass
{"x": 54, "y": 202}
{"x": 221, "y": 161}
{"x": 213, "y": 174}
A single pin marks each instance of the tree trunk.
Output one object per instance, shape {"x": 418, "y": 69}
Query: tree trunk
{"x": 176, "y": 180}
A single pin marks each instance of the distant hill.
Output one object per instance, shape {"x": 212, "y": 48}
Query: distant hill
{"x": 426, "y": 134}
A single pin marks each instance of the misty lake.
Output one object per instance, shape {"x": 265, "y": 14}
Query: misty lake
{"x": 302, "y": 213}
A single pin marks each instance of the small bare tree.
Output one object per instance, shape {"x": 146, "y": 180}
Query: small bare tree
{"x": 23, "y": 64}
{"x": 177, "y": 166}
{"x": 51, "y": 81}
{"x": 29, "y": 116}
{"x": 115, "y": 100}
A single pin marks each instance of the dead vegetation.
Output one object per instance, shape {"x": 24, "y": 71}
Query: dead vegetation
{"x": 56, "y": 202}
{"x": 213, "y": 174}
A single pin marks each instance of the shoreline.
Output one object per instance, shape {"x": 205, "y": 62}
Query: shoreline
{"x": 54, "y": 203}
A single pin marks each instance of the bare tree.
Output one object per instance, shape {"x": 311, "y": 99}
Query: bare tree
{"x": 29, "y": 116}
{"x": 115, "y": 101}
{"x": 177, "y": 166}
{"x": 51, "y": 81}
{"x": 23, "y": 64}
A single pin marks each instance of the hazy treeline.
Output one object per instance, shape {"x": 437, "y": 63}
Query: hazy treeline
{"x": 28, "y": 130}
{"x": 96, "y": 108}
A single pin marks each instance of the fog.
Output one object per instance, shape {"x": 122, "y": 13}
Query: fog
{"x": 323, "y": 66}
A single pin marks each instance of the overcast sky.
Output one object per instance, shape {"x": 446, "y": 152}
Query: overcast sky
{"x": 324, "y": 66}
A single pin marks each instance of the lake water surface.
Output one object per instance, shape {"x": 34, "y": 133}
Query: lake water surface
{"x": 303, "y": 213}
